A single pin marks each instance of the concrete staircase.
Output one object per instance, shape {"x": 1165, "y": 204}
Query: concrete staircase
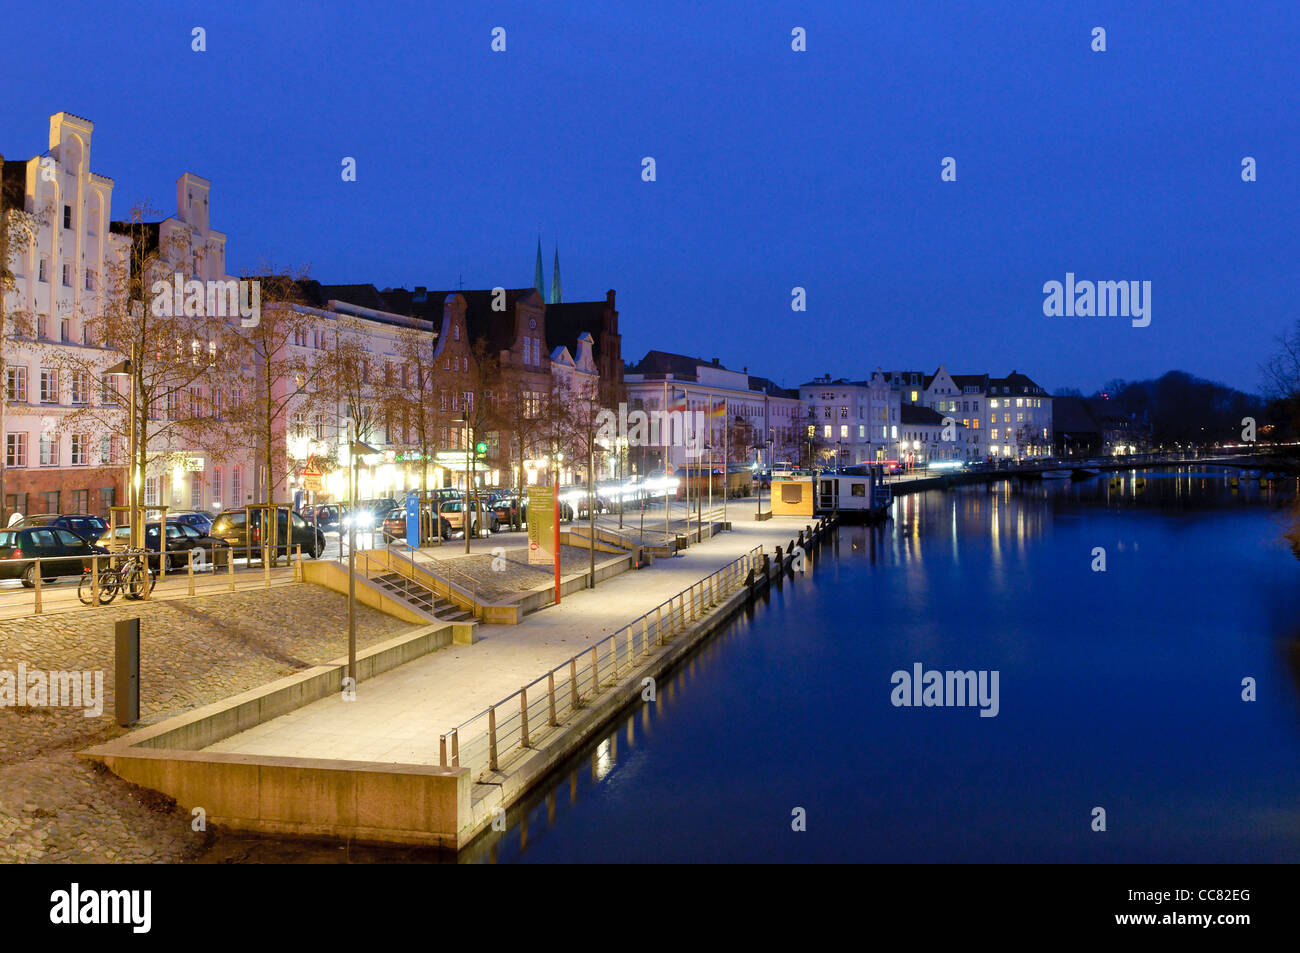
{"x": 420, "y": 597}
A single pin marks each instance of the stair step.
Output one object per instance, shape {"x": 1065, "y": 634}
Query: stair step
{"x": 421, "y": 598}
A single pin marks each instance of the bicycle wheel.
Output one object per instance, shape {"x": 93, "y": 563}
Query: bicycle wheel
{"x": 139, "y": 581}
{"x": 108, "y": 585}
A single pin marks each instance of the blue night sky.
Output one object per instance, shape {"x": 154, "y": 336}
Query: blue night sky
{"x": 775, "y": 169}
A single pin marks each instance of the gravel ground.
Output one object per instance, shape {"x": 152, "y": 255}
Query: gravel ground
{"x": 57, "y": 808}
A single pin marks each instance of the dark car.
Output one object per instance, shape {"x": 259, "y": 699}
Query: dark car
{"x": 87, "y": 527}
{"x": 292, "y": 530}
{"x": 181, "y": 537}
{"x": 394, "y": 524}
{"x": 327, "y": 517}
{"x": 510, "y": 510}
{"x": 201, "y": 520}
{"x": 61, "y": 552}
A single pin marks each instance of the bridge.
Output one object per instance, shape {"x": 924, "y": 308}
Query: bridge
{"x": 1266, "y": 460}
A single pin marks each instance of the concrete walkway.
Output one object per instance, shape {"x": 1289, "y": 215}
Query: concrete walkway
{"x": 398, "y": 716}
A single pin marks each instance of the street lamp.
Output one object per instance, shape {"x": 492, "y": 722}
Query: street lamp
{"x": 357, "y": 449}
{"x": 127, "y": 369}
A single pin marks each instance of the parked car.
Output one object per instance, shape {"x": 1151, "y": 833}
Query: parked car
{"x": 328, "y": 517}
{"x": 453, "y": 515}
{"x": 394, "y": 524}
{"x": 201, "y": 520}
{"x": 87, "y": 527}
{"x": 61, "y": 552}
{"x": 292, "y": 530}
{"x": 368, "y": 514}
{"x": 510, "y": 510}
{"x": 181, "y": 537}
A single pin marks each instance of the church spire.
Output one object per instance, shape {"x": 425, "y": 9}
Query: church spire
{"x": 555, "y": 278}
{"x": 538, "y": 281}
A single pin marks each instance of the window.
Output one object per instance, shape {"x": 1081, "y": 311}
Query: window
{"x": 844, "y": 431}
{"x": 49, "y": 450}
{"x": 827, "y": 432}
{"x": 16, "y": 502}
{"x": 81, "y": 501}
{"x": 67, "y": 216}
{"x": 51, "y": 498}
{"x": 67, "y": 274}
{"x": 16, "y": 382}
{"x": 196, "y": 492}
{"x": 16, "y": 450}
{"x": 43, "y": 270}
{"x": 862, "y": 431}
{"x": 49, "y": 385}
{"x": 107, "y": 498}
{"x": 152, "y": 490}
{"x": 80, "y": 387}
{"x": 216, "y": 485}
{"x": 65, "y": 328}
{"x": 237, "y": 486}
{"x": 90, "y": 280}
{"x": 993, "y": 434}
{"x": 80, "y": 450}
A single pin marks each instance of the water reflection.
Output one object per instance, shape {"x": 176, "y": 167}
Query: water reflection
{"x": 1119, "y": 688}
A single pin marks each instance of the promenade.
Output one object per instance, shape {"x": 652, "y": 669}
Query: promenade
{"x": 399, "y": 715}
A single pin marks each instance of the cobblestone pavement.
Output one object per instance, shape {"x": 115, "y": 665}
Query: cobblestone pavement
{"x": 57, "y": 808}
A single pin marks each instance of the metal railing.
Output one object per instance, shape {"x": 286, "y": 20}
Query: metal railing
{"x": 391, "y": 558}
{"x": 515, "y": 723}
{"x": 213, "y": 565}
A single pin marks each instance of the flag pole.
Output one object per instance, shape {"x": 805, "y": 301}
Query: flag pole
{"x": 726, "y": 460}
{"x": 664, "y": 425}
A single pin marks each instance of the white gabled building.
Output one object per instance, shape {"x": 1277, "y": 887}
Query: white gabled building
{"x": 1007, "y": 417}
{"x": 60, "y": 277}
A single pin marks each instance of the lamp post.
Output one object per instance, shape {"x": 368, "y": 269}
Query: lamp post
{"x": 357, "y": 449}
{"x": 127, "y": 368}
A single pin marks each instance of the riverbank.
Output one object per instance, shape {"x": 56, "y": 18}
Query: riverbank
{"x": 399, "y": 716}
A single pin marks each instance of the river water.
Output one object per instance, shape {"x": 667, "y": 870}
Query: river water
{"x": 1119, "y": 689}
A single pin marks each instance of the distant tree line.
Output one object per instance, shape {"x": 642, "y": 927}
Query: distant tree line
{"x": 1183, "y": 408}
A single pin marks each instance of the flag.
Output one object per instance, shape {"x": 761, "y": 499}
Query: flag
{"x": 678, "y": 404}
{"x": 719, "y": 410}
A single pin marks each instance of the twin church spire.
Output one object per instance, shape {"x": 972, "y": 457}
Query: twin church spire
{"x": 539, "y": 281}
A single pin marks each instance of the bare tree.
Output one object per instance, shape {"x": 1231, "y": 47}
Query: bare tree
{"x": 481, "y": 419}
{"x": 170, "y": 355}
{"x": 1282, "y": 377}
{"x": 409, "y": 397}
{"x": 18, "y": 230}
{"x": 580, "y": 423}
{"x": 267, "y": 373}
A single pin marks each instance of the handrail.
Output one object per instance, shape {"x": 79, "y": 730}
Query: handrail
{"x": 584, "y": 672}
{"x": 426, "y": 567}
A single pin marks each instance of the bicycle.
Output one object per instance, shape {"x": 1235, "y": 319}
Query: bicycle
{"x": 132, "y": 577}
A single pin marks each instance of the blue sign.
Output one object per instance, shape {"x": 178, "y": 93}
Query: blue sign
{"x": 413, "y": 519}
